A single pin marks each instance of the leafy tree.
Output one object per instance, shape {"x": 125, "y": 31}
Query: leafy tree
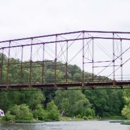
{"x": 19, "y": 112}
{"x": 77, "y": 77}
{"x": 49, "y": 95}
{"x": 106, "y": 102}
{"x": 126, "y": 109}
{"x": 116, "y": 102}
{"x": 50, "y": 76}
{"x": 8, "y": 98}
{"x": 53, "y": 112}
{"x": 71, "y": 102}
{"x": 30, "y": 97}
{"x": 39, "y": 113}
{"x": 64, "y": 106}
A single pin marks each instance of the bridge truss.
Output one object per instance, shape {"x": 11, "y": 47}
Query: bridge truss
{"x": 103, "y": 55}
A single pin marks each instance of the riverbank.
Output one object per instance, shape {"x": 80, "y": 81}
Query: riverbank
{"x": 38, "y": 121}
{"x": 112, "y": 120}
{"x": 123, "y": 122}
{"x": 64, "y": 125}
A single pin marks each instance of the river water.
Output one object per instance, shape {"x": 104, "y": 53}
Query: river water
{"x": 65, "y": 125}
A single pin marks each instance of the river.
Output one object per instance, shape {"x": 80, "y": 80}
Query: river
{"x": 65, "y": 125}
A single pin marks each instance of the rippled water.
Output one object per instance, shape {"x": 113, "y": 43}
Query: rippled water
{"x": 66, "y": 125}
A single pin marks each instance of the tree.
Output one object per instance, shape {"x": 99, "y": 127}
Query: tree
{"x": 106, "y": 102}
{"x": 31, "y": 97}
{"x": 19, "y": 112}
{"x": 64, "y": 106}
{"x": 77, "y": 77}
{"x": 8, "y": 98}
{"x": 126, "y": 109}
{"x": 72, "y": 102}
{"x": 39, "y": 113}
{"x": 53, "y": 112}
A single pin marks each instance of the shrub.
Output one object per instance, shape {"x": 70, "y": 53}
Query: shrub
{"x": 39, "y": 113}
{"x": 19, "y": 112}
{"x": 52, "y": 111}
{"x": 78, "y": 116}
{"x": 8, "y": 117}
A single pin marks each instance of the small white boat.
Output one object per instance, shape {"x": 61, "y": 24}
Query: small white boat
{"x": 2, "y": 113}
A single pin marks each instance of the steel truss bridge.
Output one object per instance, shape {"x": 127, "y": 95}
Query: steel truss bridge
{"x": 103, "y": 55}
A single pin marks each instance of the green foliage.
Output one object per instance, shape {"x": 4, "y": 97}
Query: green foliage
{"x": 19, "y": 112}
{"x": 53, "y": 112}
{"x": 49, "y": 95}
{"x": 31, "y": 97}
{"x": 5, "y": 101}
{"x": 90, "y": 112}
{"x": 78, "y": 116}
{"x": 126, "y": 109}
{"x": 87, "y": 104}
{"x": 72, "y": 102}
{"x": 39, "y": 113}
{"x": 106, "y": 102}
{"x": 8, "y": 117}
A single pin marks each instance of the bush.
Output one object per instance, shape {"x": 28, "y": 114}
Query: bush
{"x": 39, "y": 113}
{"x": 52, "y": 112}
{"x": 8, "y": 117}
{"x": 90, "y": 112}
{"x": 88, "y": 117}
{"x": 18, "y": 112}
{"x": 22, "y": 112}
{"x": 78, "y": 116}
{"x": 85, "y": 118}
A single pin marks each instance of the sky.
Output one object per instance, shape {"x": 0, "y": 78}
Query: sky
{"x": 24, "y": 18}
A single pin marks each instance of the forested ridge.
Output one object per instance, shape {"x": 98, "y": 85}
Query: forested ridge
{"x": 52, "y": 104}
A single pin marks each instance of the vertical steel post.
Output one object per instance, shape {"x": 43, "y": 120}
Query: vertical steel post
{"x": 1, "y": 67}
{"x": 92, "y": 59}
{"x": 121, "y": 59}
{"x": 30, "y": 74}
{"x": 83, "y": 60}
{"x": 8, "y": 65}
{"x": 21, "y": 67}
{"x": 113, "y": 60}
{"x": 66, "y": 65}
{"x": 55, "y": 62}
{"x": 43, "y": 63}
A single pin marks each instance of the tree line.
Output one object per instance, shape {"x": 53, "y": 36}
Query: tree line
{"x": 52, "y": 104}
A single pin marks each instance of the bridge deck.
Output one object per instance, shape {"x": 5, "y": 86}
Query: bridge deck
{"x": 65, "y": 85}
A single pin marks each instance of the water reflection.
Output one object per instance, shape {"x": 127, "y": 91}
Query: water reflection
{"x": 70, "y": 125}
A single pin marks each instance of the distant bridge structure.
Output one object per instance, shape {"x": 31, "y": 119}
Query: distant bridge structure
{"x": 103, "y": 55}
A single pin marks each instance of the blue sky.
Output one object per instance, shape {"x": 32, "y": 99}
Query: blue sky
{"x": 23, "y": 18}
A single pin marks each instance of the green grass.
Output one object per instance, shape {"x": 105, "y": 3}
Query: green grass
{"x": 26, "y": 121}
{"x": 70, "y": 119}
{"x": 125, "y": 122}
{"x": 116, "y": 121}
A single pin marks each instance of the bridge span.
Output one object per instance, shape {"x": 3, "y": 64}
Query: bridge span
{"x": 45, "y": 61}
